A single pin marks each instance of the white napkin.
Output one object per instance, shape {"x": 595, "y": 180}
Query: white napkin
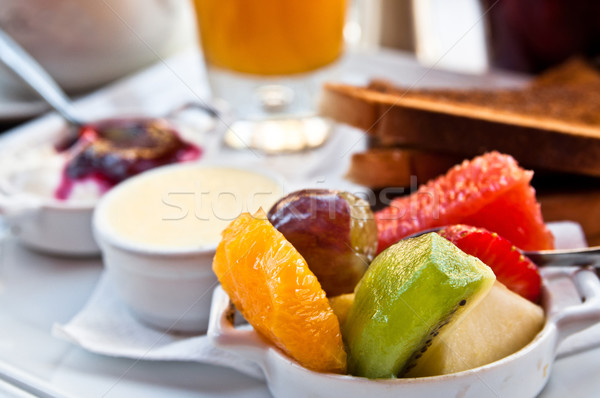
{"x": 105, "y": 326}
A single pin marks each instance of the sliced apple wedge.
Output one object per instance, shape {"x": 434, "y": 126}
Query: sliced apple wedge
{"x": 499, "y": 325}
{"x": 341, "y": 305}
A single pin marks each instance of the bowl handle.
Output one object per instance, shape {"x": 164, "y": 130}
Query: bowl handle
{"x": 578, "y": 317}
{"x": 223, "y": 334}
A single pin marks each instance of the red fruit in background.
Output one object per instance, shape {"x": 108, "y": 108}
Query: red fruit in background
{"x": 513, "y": 269}
{"x": 491, "y": 191}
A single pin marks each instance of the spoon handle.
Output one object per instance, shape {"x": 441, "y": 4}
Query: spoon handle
{"x": 557, "y": 258}
{"x": 589, "y": 256}
{"x": 31, "y": 73}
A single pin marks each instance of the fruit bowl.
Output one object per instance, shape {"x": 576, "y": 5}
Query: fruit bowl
{"x": 522, "y": 374}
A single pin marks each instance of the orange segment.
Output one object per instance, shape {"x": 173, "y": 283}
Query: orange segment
{"x": 271, "y": 285}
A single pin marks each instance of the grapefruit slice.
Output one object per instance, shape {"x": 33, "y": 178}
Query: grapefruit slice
{"x": 491, "y": 191}
{"x": 271, "y": 285}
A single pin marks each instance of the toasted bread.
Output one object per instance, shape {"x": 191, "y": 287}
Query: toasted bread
{"x": 575, "y": 71}
{"x": 394, "y": 167}
{"x": 552, "y": 124}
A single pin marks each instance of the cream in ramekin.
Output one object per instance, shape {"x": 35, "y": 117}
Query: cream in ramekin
{"x": 158, "y": 233}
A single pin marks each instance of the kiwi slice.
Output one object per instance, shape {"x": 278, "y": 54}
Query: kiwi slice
{"x": 412, "y": 294}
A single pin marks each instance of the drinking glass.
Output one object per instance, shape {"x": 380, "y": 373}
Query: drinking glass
{"x": 267, "y": 60}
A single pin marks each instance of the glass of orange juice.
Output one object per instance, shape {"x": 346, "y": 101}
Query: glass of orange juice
{"x": 267, "y": 60}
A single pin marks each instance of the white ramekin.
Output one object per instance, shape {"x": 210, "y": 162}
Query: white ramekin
{"x": 520, "y": 375}
{"x": 170, "y": 289}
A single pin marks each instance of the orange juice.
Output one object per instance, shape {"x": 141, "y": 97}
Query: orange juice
{"x": 271, "y": 37}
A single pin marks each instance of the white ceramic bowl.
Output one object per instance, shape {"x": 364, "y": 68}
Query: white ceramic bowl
{"x": 521, "y": 375}
{"x": 166, "y": 287}
{"x": 31, "y": 170}
{"x": 50, "y": 226}
{"x": 85, "y": 44}
{"x": 38, "y": 219}
{"x": 168, "y": 291}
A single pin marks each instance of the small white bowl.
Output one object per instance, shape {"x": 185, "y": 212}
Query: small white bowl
{"x": 168, "y": 291}
{"x": 52, "y": 228}
{"x": 520, "y": 375}
{"x": 165, "y": 285}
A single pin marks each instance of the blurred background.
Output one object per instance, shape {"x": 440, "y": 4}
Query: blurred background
{"x": 473, "y": 36}
{"x": 88, "y": 43}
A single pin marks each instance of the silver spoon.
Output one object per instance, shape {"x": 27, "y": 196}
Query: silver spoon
{"x": 33, "y": 74}
{"x": 588, "y": 256}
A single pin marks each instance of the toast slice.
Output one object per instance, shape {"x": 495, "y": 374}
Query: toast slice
{"x": 398, "y": 168}
{"x": 552, "y": 124}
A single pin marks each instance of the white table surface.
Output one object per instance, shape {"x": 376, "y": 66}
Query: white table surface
{"x": 37, "y": 290}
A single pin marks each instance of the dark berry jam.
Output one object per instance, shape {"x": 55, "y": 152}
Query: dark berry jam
{"x": 113, "y": 150}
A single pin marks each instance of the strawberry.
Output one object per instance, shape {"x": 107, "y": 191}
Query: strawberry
{"x": 512, "y": 268}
